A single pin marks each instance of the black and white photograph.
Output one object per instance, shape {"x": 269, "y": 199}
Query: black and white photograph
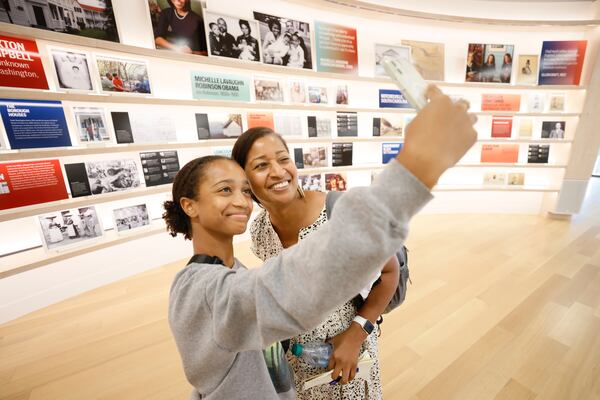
{"x": 91, "y": 125}
{"x": 284, "y": 41}
{"x": 315, "y": 157}
{"x": 159, "y": 167}
{"x": 318, "y": 127}
{"x": 390, "y": 125}
{"x": 318, "y": 95}
{"x": 130, "y": 218}
{"x": 178, "y": 26}
{"x": 90, "y": 18}
{"x": 72, "y": 70}
{"x": 311, "y": 182}
{"x": 219, "y": 125}
{"x": 112, "y": 176}
{"x": 297, "y": 91}
{"x": 64, "y": 229}
{"x": 123, "y": 76}
{"x": 553, "y": 129}
{"x": 391, "y": 51}
{"x": 232, "y": 37}
{"x": 267, "y": 89}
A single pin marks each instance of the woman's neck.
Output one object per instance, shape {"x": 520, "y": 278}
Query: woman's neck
{"x": 181, "y": 12}
{"x": 213, "y": 244}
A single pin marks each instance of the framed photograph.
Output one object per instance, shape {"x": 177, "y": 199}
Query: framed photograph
{"x": 315, "y": 157}
{"x": 119, "y": 75}
{"x": 112, "y": 176}
{"x": 386, "y": 50}
{"x": 284, "y": 41}
{"x": 318, "y": 95}
{"x": 89, "y": 18}
{"x": 556, "y": 102}
{"x": 91, "y": 125}
{"x": 489, "y": 63}
{"x": 390, "y": 125}
{"x": 178, "y": 25}
{"x": 428, "y": 58}
{"x": 298, "y": 93}
{"x": 69, "y": 228}
{"x": 219, "y": 125}
{"x": 341, "y": 96}
{"x": 553, "y": 129}
{"x": 232, "y": 37}
{"x": 132, "y": 218}
{"x": 527, "y": 70}
{"x": 337, "y": 182}
{"x": 267, "y": 89}
{"x": 72, "y": 70}
{"x": 311, "y": 182}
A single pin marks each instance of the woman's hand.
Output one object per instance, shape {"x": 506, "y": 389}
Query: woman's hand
{"x": 346, "y": 349}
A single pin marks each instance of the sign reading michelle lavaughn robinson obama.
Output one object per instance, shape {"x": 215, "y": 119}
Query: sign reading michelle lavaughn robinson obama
{"x": 209, "y": 86}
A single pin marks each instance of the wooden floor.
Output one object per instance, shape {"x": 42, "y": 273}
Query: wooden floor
{"x": 501, "y": 307}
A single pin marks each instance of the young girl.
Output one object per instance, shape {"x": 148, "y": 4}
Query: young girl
{"x": 289, "y": 216}
{"x": 224, "y": 316}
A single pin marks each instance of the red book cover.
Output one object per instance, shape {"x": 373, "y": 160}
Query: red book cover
{"x": 20, "y": 64}
{"x": 500, "y": 102}
{"x": 260, "y": 119}
{"x": 501, "y": 127}
{"x": 31, "y": 182}
{"x": 500, "y": 153}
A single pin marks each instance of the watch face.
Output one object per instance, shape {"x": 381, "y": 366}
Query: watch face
{"x": 368, "y": 327}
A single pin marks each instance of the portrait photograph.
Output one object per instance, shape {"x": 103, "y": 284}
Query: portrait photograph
{"x": 72, "y": 70}
{"x": 123, "y": 76}
{"x": 318, "y": 95}
{"x": 315, "y": 157}
{"x": 67, "y": 228}
{"x": 284, "y": 41}
{"x": 553, "y": 129}
{"x": 527, "y": 70}
{"x": 297, "y": 91}
{"x": 232, "y": 37}
{"x": 178, "y": 25}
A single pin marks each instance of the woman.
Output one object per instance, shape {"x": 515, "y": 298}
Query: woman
{"x": 488, "y": 71}
{"x": 289, "y": 215}
{"x": 506, "y": 70}
{"x": 251, "y": 43}
{"x": 223, "y": 315}
{"x": 274, "y": 46}
{"x": 180, "y": 29}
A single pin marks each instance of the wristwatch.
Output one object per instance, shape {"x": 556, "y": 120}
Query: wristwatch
{"x": 365, "y": 324}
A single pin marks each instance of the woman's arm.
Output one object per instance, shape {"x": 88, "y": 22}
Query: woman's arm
{"x": 346, "y": 345}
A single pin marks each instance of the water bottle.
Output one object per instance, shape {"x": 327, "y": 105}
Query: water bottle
{"x": 314, "y": 354}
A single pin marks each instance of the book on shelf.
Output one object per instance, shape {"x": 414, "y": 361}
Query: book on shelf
{"x": 260, "y": 119}
{"x": 538, "y": 154}
{"x": 299, "y": 158}
{"x": 159, "y": 167}
{"x": 500, "y": 102}
{"x": 500, "y": 153}
{"x": 347, "y": 124}
{"x": 122, "y": 126}
{"x": 288, "y": 125}
{"x": 341, "y": 154}
{"x": 392, "y": 98}
{"x": 502, "y": 127}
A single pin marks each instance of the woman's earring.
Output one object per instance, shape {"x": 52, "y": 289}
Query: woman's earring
{"x": 300, "y": 191}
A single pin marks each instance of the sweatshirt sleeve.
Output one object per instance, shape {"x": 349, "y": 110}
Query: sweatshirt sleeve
{"x": 295, "y": 291}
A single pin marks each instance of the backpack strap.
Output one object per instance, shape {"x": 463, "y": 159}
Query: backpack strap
{"x": 204, "y": 259}
{"x": 330, "y": 199}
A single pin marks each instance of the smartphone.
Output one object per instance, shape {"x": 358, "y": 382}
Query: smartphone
{"x": 408, "y": 79}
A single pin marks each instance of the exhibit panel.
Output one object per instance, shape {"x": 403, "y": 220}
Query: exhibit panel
{"x": 94, "y": 131}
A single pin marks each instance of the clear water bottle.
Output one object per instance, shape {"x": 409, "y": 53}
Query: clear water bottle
{"x": 314, "y": 354}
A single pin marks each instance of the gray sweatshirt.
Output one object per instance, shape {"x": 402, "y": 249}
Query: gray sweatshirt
{"x": 227, "y": 323}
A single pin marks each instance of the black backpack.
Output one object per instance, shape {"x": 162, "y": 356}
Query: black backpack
{"x": 402, "y": 255}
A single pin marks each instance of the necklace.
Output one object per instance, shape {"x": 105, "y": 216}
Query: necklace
{"x": 177, "y": 15}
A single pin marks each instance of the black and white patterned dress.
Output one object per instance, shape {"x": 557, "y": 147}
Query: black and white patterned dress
{"x": 266, "y": 244}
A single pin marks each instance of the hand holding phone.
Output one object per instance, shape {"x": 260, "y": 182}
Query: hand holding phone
{"x": 408, "y": 79}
